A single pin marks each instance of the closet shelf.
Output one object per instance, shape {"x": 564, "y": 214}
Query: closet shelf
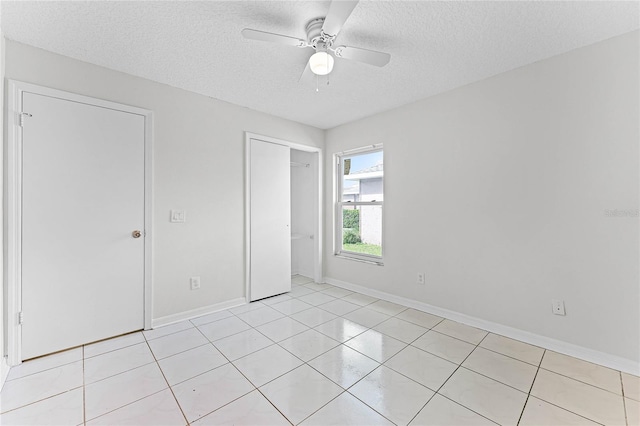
{"x": 301, "y": 236}
{"x": 296, "y": 164}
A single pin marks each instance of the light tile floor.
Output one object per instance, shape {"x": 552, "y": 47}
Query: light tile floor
{"x": 319, "y": 355}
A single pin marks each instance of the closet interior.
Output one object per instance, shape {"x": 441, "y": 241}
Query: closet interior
{"x": 303, "y": 211}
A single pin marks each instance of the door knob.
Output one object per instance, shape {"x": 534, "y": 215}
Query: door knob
{"x": 136, "y": 234}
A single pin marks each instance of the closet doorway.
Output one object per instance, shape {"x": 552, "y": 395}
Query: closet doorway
{"x": 283, "y": 187}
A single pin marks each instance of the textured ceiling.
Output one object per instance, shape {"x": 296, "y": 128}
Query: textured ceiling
{"x": 197, "y": 46}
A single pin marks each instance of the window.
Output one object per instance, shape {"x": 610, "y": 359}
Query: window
{"x": 360, "y": 183}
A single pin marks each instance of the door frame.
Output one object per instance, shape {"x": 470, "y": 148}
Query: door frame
{"x": 13, "y": 260}
{"x": 318, "y": 211}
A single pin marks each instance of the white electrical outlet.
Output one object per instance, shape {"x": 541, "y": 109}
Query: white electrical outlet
{"x": 421, "y": 278}
{"x": 558, "y": 307}
{"x": 195, "y": 283}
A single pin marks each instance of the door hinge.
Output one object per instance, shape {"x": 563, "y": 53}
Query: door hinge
{"x": 20, "y": 318}
{"x": 21, "y": 116}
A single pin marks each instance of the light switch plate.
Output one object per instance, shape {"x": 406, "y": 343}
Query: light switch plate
{"x": 178, "y": 216}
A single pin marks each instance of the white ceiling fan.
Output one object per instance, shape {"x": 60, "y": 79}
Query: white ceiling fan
{"x": 321, "y": 35}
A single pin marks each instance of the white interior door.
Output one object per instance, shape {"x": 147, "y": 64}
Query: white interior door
{"x": 83, "y": 196}
{"x": 270, "y": 196}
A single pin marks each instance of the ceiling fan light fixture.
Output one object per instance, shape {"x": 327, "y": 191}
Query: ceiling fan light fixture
{"x": 321, "y": 63}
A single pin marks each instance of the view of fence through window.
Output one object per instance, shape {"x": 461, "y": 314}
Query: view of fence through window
{"x": 362, "y": 196}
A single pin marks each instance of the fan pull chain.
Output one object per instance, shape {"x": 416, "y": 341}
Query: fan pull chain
{"x": 317, "y": 78}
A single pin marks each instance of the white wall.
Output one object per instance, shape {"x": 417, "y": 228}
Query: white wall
{"x": 198, "y": 166}
{"x": 498, "y": 191}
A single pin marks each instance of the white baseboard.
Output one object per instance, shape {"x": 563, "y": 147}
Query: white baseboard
{"x": 205, "y": 310}
{"x": 308, "y": 274}
{"x": 597, "y": 357}
{"x": 304, "y": 273}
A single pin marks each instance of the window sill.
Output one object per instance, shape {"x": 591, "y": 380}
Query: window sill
{"x": 358, "y": 259}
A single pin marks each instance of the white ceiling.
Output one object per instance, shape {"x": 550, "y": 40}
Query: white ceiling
{"x": 197, "y": 46}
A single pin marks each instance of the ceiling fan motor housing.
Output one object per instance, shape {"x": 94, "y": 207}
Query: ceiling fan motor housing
{"x": 316, "y": 37}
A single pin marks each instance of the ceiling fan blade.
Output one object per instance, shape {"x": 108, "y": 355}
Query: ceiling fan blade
{"x": 273, "y": 38}
{"x": 379, "y": 59}
{"x": 339, "y": 12}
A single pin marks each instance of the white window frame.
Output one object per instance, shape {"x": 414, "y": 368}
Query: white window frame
{"x": 339, "y": 204}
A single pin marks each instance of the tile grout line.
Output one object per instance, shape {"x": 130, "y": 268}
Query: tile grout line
{"x": 624, "y": 402}
{"x": 343, "y": 390}
{"x": 47, "y": 397}
{"x": 272, "y": 404}
{"x": 509, "y": 356}
{"x": 530, "y": 389}
{"x": 411, "y": 344}
{"x": 84, "y": 393}
{"x": 488, "y": 333}
{"x": 277, "y": 377}
{"x": 482, "y": 347}
{"x": 404, "y": 375}
{"x": 493, "y": 378}
{"x": 119, "y": 372}
{"x": 40, "y": 400}
{"x": 423, "y": 407}
{"x": 132, "y": 333}
{"x": 347, "y": 392}
{"x": 467, "y": 408}
{"x": 422, "y": 350}
{"x": 450, "y": 376}
{"x": 127, "y": 404}
{"x": 255, "y": 388}
{"x": 554, "y": 404}
{"x": 161, "y": 337}
{"x": 231, "y": 362}
{"x": 273, "y": 342}
{"x": 46, "y": 369}
{"x": 324, "y": 405}
{"x": 317, "y": 356}
{"x": 356, "y": 397}
{"x": 380, "y": 364}
{"x": 167, "y": 381}
{"x": 583, "y": 382}
{"x": 569, "y": 411}
{"x": 295, "y": 334}
{"x": 131, "y": 369}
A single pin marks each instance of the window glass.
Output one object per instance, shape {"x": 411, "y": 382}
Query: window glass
{"x": 359, "y": 206}
{"x": 362, "y": 229}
